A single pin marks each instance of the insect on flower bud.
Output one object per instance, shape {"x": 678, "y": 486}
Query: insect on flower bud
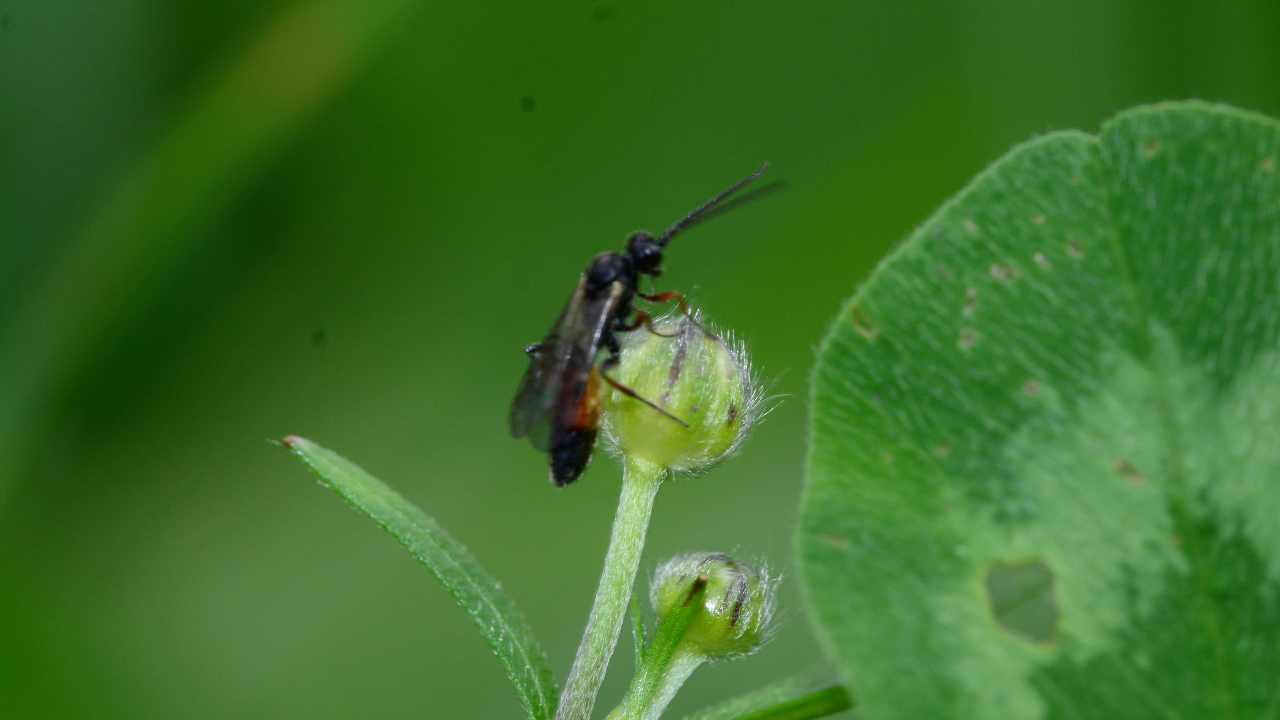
{"x": 695, "y": 375}
{"x": 737, "y": 604}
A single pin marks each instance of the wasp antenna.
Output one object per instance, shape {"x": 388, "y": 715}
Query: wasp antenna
{"x": 701, "y": 211}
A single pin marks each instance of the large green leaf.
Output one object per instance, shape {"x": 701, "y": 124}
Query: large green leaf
{"x": 497, "y": 618}
{"x": 1046, "y": 437}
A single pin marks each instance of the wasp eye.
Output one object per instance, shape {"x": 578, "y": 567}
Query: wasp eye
{"x": 645, "y": 252}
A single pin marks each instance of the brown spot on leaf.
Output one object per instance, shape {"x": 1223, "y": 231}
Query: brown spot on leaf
{"x": 1269, "y": 164}
{"x": 970, "y": 301}
{"x": 887, "y": 457}
{"x": 733, "y": 415}
{"x": 1042, "y": 261}
{"x": 1074, "y": 250}
{"x": 1031, "y": 388}
{"x": 971, "y": 227}
{"x": 1127, "y": 470}
{"x": 863, "y": 325}
{"x": 1151, "y": 149}
{"x": 1037, "y": 219}
{"x": 943, "y": 451}
{"x": 1003, "y": 273}
{"x": 968, "y": 339}
{"x": 835, "y": 541}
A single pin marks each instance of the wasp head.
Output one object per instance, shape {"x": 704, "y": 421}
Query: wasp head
{"x": 645, "y": 253}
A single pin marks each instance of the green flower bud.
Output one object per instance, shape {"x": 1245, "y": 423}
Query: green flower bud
{"x": 737, "y": 604}
{"x": 696, "y": 376}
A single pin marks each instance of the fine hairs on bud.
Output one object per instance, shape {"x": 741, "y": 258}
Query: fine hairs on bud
{"x": 738, "y": 604}
{"x": 699, "y": 375}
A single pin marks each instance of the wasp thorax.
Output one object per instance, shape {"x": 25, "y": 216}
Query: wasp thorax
{"x": 737, "y": 606}
{"x": 698, "y": 378}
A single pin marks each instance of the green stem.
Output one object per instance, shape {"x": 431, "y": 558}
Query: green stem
{"x": 678, "y": 670}
{"x": 640, "y": 482}
{"x": 818, "y": 704}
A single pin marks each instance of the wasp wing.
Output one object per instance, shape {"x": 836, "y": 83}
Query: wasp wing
{"x": 533, "y": 407}
{"x": 559, "y": 366}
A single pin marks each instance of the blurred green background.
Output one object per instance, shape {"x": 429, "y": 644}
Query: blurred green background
{"x": 224, "y": 222}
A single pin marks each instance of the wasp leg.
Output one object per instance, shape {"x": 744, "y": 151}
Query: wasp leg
{"x": 669, "y": 296}
{"x": 611, "y": 344}
{"x": 611, "y": 362}
{"x": 645, "y": 319}
{"x": 681, "y": 302}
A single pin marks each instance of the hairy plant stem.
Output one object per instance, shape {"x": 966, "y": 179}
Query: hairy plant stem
{"x": 652, "y": 705}
{"x": 640, "y": 482}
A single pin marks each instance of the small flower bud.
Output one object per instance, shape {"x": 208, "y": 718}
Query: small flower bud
{"x": 737, "y": 604}
{"x": 697, "y": 377}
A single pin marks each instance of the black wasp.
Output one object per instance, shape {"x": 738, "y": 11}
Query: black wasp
{"x": 558, "y": 403}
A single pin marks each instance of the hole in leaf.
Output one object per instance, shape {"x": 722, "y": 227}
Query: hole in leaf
{"x": 1021, "y": 596}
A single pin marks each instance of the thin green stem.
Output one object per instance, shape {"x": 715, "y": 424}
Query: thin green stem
{"x": 640, "y": 482}
{"x": 817, "y": 704}
{"x": 660, "y": 695}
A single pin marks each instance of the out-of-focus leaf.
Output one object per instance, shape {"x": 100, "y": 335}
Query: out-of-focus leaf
{"x": 235, "y": 123}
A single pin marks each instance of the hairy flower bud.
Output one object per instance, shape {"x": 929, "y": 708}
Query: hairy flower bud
{"x": 737, "y": 604}
{"x": 695, "y": 375}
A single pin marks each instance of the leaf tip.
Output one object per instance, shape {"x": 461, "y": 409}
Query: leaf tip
{"x": 293, "y": 442}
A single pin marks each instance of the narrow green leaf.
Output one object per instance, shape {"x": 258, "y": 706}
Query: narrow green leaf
{"x": 803, "y": 697}
{"x": 664, "y": 667}
{"x": 501, "y": 624}
{"x": 1042, "y": 479}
